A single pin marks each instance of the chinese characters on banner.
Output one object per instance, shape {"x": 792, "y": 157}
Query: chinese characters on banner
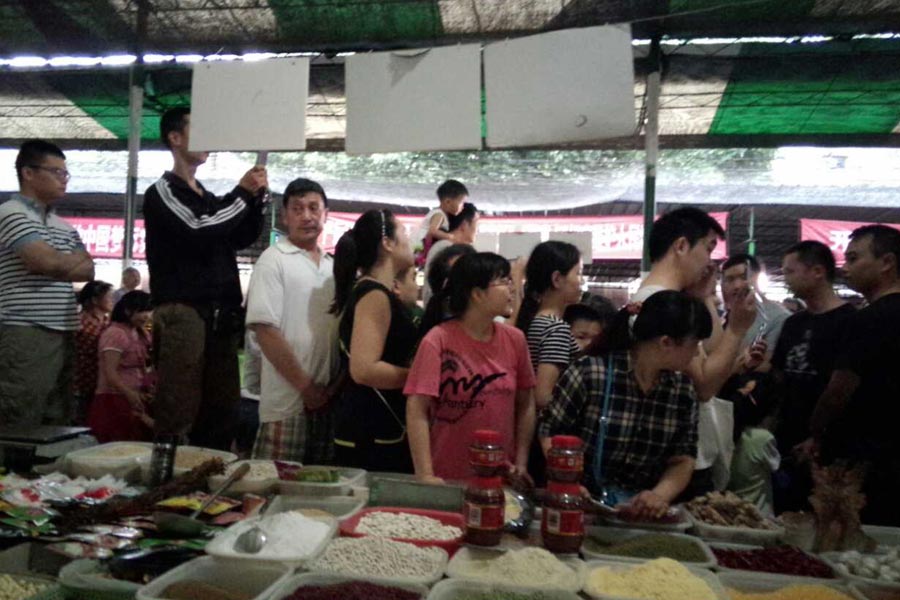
{"x": 103, "y": 238}
{"x": 834, "y": 234}
{"x": 616, "y": 237}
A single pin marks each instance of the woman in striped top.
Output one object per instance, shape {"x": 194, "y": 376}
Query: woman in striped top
{"x": 552, "y": 282}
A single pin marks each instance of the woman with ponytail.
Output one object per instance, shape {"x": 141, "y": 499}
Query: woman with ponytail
{"x": 552, "y": 282}
{"x": 377, "y": 338}
{"x": 470, "y": 373}
{"x": 633, "y": 407}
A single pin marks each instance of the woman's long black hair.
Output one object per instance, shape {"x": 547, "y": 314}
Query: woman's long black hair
{"x": 675, "y": 314}
{"x": 546, "y": 259}
{"x": 470, "y": 272}
{"x": 358, "y": 249}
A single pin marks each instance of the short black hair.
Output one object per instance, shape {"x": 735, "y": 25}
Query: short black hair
{"x": 33, "y": 152}
{"x": 885, "y": 240}
{"x": 301, "y": 187}
{"x": 594, "y": 308}
{"x": 742, "y": 259}
{"x": 688, "y": 222}
{"x": 172, "y": 120}
{"x": 812, "y": 253}
{"x": 451, "y": 189}
{"x": 129, "y": 304}
{"x": 468, "y": 214}
{"x": 92, "y": 290}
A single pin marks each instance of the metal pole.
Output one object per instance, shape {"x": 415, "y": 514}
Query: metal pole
{"x": 262, "y": 159}
{"x": 751, "y": 231}
{"x": 651, "y": 149}
{"x": 135, "y": 114}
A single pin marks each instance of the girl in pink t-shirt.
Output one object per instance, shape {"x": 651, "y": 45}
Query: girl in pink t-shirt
{"x": 119, "y": 411}
{"x": 469, "y": 373}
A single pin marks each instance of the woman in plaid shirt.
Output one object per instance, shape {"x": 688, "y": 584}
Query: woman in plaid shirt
{"x": 631, "y": 393}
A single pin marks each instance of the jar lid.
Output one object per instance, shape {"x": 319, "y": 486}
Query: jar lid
{"x": 486, "y": 483}
{"x": 488, "y": 437}
{"x": 566, "y": 441}
{"x": 558, "y": 487}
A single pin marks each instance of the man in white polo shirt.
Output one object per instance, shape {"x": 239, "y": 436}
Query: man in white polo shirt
{"x": 291, "y": 290}
{"x": 40, "y": 256}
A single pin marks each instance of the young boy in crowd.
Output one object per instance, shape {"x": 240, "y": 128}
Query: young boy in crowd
{"x": 436, "y": 225}
{"x": 407, "y": 290}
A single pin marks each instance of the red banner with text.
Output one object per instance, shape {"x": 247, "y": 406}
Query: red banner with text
{"x": 834, "y": 234}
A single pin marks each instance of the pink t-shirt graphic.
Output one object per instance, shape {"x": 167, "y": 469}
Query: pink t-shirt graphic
{"x": 473, "y": 386}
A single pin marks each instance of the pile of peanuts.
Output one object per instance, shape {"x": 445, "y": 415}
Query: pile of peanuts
{"x": 406, "y": 526}
{"x": 17, "y": 588}
{"x": 379, "y": 557}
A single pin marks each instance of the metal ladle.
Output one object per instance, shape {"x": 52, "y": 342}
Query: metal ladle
{"x": 251, "y": 541}
{"x": 174, "y": 525}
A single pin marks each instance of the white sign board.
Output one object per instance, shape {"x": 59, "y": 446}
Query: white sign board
{"x": 249, "y": 106}
{"x": 487, "y": 242}
{"x": 583, "y": 240}
{"x": 515, "y": 245}
{"x": 565, "y": 86}
{"x": 414, "y": 100}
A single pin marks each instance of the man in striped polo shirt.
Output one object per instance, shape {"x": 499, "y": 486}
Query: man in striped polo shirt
{"x": 40, "y": 256}
{"x": 192, "y": 236}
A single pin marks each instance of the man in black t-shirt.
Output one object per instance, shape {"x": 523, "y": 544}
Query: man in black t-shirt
{"x": 803, "y": 360}
{"x": 856, "y": 418}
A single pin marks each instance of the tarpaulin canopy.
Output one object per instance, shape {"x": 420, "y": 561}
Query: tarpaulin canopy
{"x": 845, "y": 90}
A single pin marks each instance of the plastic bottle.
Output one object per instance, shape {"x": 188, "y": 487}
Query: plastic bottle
{"x": 484, "y": 511}
{"x": 486, "y": 454}
{"x": 562, "y": 523}
{"x": 565, "y": 460}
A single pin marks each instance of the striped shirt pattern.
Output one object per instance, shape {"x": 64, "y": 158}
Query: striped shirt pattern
{"x": 550, "y": 341}
{"x": 644, "y": 431}
{"x": 29, "y": 299}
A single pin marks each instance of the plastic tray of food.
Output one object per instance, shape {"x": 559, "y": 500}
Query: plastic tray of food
{"x": 705, "y": 574}
{"x": 677, "y": 521}
{"x": 345, "y": 479}
{"x": 616, "y": 535}
{"x": 340, "y": 507}
{"x": 261, "y": 478}
{"x": 864, "y": 591}
{"x": 761, "y": 583}
{"x": 349, "y": 526}
{"x": 885, "y": 536}
{"x": 287, "y": 587}
{"x": 833, "y": 560}
{"x": 222, "y": 545}
{"x": 29, "y": 585}
{"x": 462, "y": 589}
{"x": 746, "y": 547}
{"x": 434, "y": 558}
{"x": 254, "y": 581}
{"x": 459, "y": 568}
{"x": 119, "y": 459}
{"x": 737, "y": 535}
{"x": 188, "y": 457}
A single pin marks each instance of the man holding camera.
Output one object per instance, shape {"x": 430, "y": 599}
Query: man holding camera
{"x": 192, "y": 237}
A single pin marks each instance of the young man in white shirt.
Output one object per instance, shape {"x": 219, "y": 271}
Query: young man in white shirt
{"x": 291, "y": 290}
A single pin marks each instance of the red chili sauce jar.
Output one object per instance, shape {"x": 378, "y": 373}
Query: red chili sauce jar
{"x": 486, "y": 454}
{"x": 565, "y": 460}
{"x": 484, "y": 511}
{"x": 562, "y": 524}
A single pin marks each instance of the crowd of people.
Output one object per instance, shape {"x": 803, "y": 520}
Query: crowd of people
{"x": 673, "y": 395}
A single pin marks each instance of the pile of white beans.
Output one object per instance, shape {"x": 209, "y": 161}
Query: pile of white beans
{"x": 379, "y": 557}
{"x": 16, "y": 588}
{"x": 406, "y": 526}
{"x": 883, "y": 567}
